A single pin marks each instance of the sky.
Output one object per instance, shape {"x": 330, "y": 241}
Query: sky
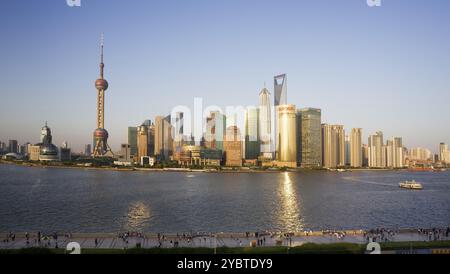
{"x": 379, "y": 68}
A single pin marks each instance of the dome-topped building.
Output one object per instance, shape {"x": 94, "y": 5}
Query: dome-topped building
{"x": 48, "y": 152}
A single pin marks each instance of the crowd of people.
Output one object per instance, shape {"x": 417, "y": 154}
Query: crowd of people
{"x": 435, "y": 234}
{"x": 379, "y": 235}
{"x": 57, "y": 240}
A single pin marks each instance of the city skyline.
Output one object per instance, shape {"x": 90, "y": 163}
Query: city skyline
{"x": 411, "y": 111}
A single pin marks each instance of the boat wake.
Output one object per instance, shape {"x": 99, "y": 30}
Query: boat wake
{"x": 368, "y": 182}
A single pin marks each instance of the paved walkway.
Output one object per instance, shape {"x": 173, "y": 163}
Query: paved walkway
{"x": 113, "y": 241}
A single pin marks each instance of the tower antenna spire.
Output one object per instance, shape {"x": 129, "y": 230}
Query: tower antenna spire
{"x": 102, "y": 65}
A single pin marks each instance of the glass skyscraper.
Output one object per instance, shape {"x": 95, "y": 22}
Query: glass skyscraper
{"x": 309, "y": 137}
{"x": 252, "y": 143}
{"x": 265, "y": 124}
{"x": 132, "y": 140}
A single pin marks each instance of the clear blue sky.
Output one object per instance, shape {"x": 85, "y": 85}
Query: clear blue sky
{"x": 385, "y": 68}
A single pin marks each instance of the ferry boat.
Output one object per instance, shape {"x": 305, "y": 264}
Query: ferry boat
{"x": 410, "y": 185}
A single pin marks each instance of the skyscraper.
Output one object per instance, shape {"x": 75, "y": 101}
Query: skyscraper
{"x": 443, "y": 148}
{"x": 142, "y": 142}
{"x": 280, "y": 84}
{"x": 309, "y": 137}
{"x": 132, "y": 140}
{"x": 163, "y": 138}
{"x": 265, "y": 119}
{"x": 13, "y": 146}
{"x": 286, "y": 150}
{"x": 365, "y": 155}
{"x": 280, "y": 98}
{"x": 420, "y": 154}
{"x": 333, "y": 145}
{"x": 252, "y": 143}
{"x": 87, "y": 150}
{"x": 376, "y": 155}
{"x": 233, "y": 147}
{"x": 101, "y": 147}
{"x": 215, "y": 130}
{"x": 397, "y": 152}
{"x": 356, "y": 149}
{"x": 347, "y": 150}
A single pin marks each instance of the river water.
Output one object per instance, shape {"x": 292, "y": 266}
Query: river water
{"x": 78, "y": 200}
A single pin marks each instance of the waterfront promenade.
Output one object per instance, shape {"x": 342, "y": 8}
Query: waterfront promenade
{"x": 132, "y": 240}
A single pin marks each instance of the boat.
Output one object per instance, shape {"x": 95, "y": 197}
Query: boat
{"x": 410, "y": 185}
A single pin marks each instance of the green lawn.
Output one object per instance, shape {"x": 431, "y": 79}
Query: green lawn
{"x": 309, "y": 248}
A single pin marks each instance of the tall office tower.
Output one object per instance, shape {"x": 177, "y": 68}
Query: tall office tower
{"x": 101, "y": 147}
{"x": 87, "y": 150}
{"x": 163, "y": 138}
{"x": 333, "y": 145}
{"x": 151, "y": 140}
{"x": 132, "y": 140}
{"x": 309, "y": 137}
{"x": 13, "y": 146}
{"x": 375, "y": 152}
{"x": 178, "y": 134}
{"x": 142, "y": 142}
{"x": 265, "y": 122}
{"x": 65, "y": 153}
{"x": 286, "y": 150}
{"x": 233, "y": 147}
{"x": 252, "y": 143}
{"x": 280, "y": 87}
{"x": 215, "y": 130}
{"x": 443, "y": 148}
{"x": 280, "y": 98}
{"x": 356, "y": 149}
{"x": 2, "y": 147}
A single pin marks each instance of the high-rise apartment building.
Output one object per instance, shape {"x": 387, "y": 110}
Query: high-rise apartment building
{"x": 333, "y": 146}
{"x": 443, "y": 153}
{"x": 356, "y": 149}
{"x": 347, "y": 150}
{"x": 420, "y": 154}
{"x": 376, "y": 151}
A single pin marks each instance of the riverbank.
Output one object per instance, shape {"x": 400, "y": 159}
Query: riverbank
{"x": 206, "y": 170}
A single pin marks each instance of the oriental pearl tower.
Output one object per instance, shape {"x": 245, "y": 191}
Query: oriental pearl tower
{"x": 101, "y": 147}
